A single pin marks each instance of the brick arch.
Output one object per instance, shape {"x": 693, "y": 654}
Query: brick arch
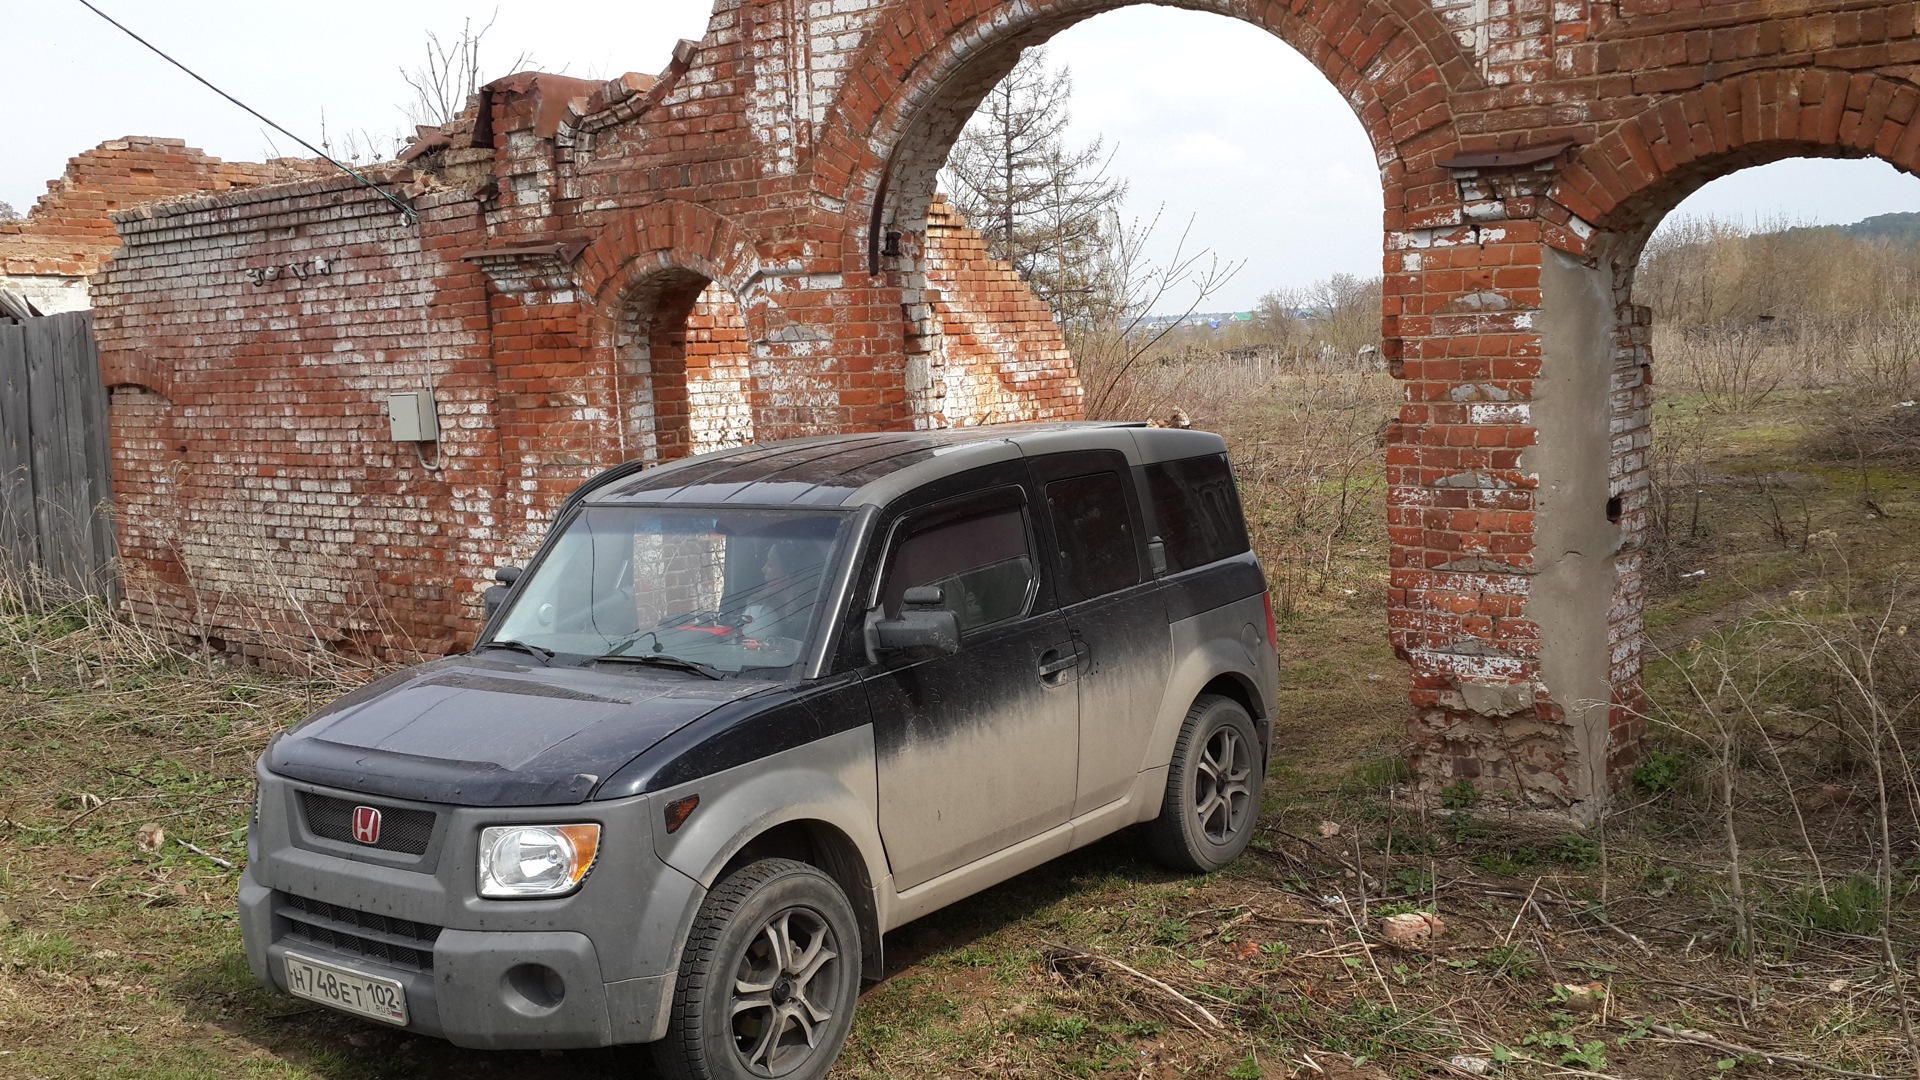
{"x": 668, "y": 235}
{"x": 124, "y": 367}
{"x": 923, "y": 70}
{"x": 1623, "y": 184}
{"x": 645, "y": 275}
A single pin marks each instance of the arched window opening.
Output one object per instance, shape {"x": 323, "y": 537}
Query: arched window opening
{"x": 1766, "y": 469}
{"x": 1150, "y": 222}
{"x": 683, "y": 371}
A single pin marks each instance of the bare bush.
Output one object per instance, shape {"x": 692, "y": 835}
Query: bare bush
{"x": 1734, "y": 369}
{"x": 1806, "y": 718}
{"x": 1306, "y": 444}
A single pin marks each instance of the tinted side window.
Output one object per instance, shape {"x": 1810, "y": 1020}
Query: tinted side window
{"x": 1097, "y": 551}
{"x": 982, "y": 562}
{"x": 1196, "y": 508}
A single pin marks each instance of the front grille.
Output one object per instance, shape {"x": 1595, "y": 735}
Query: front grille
{"x": 402, "y": 829}
{"x": 400, "y": 943}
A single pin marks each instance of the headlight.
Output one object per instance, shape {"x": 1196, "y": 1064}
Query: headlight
{"x": 535, "y": 860}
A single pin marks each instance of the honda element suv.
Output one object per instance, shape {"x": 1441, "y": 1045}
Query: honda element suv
{"x": 745, "y": 713}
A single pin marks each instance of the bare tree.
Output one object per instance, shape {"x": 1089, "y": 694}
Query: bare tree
{"x": 1125, "y": 288}
{"x": 7, "y": 212}
{"x": 1046, "y": 207}
{"x": 451, "y": 73}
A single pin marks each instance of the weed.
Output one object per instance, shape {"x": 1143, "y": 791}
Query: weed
{"x": 1578, "y": 851}
{"x": 1515, "y": 961}
{"x": 1376, "y": 775}
{"x": 1460, "y": 795}
{"x": 43, "y": 952}
{"x": 1660, "y": 771}
{"x": 1410, "y": 881}
{"x": 1848, "y": 906}
{"x": 1588, "y": 1055}
{"x": 1248, "y": 1069}
{"x": 1509, "y": 862}
{"x": 1401, "y": 840}
{"x": 1047, "y": 1024}
{"x": 1171, "y": 931}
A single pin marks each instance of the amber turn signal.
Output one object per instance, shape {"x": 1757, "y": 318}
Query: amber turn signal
{"x": 679, "y": 810}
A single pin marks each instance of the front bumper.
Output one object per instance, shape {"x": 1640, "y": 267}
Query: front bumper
{"x": 485, "y": 989}
{"x": 592, "y": 969}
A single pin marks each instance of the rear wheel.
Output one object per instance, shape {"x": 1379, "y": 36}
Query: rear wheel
{"x": 1213, "y": 788}
{"x": 768, "y": 981}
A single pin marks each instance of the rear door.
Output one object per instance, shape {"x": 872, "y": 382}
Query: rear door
{"x": 975, "y": 751}
{"x": 1115, "y": 612}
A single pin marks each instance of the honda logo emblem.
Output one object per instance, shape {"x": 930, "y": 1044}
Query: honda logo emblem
{"x": 366, "y": 824}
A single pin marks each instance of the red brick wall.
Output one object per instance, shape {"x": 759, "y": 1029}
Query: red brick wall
{"x": 249, "y": 342}
{"x": 719, "y": 373}
{"x": 69, "y": 231}
{"x": 1002, "y": 357}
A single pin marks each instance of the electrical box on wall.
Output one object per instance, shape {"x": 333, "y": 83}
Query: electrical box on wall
{"x": 413, "y": 416}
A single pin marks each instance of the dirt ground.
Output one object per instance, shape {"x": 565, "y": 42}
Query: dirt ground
{"x": 1625, "y": 951}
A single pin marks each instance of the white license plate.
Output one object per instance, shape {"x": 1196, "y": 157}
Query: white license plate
{"x": 351, "y": 991}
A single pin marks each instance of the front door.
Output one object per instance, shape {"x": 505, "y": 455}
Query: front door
{"x": 976, "y": 751}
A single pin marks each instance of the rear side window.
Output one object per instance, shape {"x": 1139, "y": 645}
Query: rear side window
{"x": 981, "y": 561}
{"x": 1196, "y": 510}
{"x": 1097, "y": 550}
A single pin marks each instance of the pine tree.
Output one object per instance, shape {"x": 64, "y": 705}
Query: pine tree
{"x": 1045, "y": 206}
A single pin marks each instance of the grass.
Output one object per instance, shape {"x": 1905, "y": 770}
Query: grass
{"x": 120, "y": 962}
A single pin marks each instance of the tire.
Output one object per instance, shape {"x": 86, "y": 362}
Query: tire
{"x": 797, "y": 1011}
{"x": 1213, "y": 789}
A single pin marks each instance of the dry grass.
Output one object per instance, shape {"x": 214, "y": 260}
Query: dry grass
{"x": 1306, "y": 444}
{"x": 120, "y": 962}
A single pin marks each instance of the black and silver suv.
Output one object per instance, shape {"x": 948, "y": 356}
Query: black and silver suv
{"x": 747, "y": 712}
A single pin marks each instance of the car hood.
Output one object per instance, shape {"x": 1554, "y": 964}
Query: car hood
{"x": 480, "y": 732}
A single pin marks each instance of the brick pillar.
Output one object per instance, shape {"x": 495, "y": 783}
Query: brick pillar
{"x": 559, "y": 412}
{"x": 1514, "y": 587}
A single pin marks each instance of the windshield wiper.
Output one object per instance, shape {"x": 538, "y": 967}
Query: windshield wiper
{"x": 545, "y": 655}
{"x": 678, "y": 663}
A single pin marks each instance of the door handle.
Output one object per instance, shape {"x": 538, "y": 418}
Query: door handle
{"x": 1054, "y": 662}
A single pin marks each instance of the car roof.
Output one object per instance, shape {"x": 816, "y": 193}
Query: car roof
{"x": 874, "y": 468}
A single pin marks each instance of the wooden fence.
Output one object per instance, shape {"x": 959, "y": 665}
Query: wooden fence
{"x": 55, "y": 489}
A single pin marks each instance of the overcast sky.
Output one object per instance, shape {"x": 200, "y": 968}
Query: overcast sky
{"x": 1209, "y": 118}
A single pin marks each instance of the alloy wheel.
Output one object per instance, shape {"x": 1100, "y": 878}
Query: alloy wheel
{"x": 785, "y": 991}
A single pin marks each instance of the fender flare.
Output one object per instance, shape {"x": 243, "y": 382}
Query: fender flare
{"x": 828, "y": 787}
{"x": 1196, "y": 669}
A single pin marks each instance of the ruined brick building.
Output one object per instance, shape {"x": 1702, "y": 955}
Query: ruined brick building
{"x": 258, "y": 318}
{"x": 68, "y": 234}
{"x": 1526, "y": 148}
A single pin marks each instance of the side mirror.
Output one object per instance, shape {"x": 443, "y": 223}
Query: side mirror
{"x": 923, "y": 625}
{"x": 496, "y": 595}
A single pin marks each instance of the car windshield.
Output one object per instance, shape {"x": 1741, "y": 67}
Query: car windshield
{"x": 730, "y": 590}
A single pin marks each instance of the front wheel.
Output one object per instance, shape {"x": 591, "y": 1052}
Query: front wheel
{"x": 1213, "y": 789}
{"x": 768, "y": 980}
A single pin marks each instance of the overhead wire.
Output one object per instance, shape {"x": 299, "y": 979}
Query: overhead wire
{"x": 405, "y": 210}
